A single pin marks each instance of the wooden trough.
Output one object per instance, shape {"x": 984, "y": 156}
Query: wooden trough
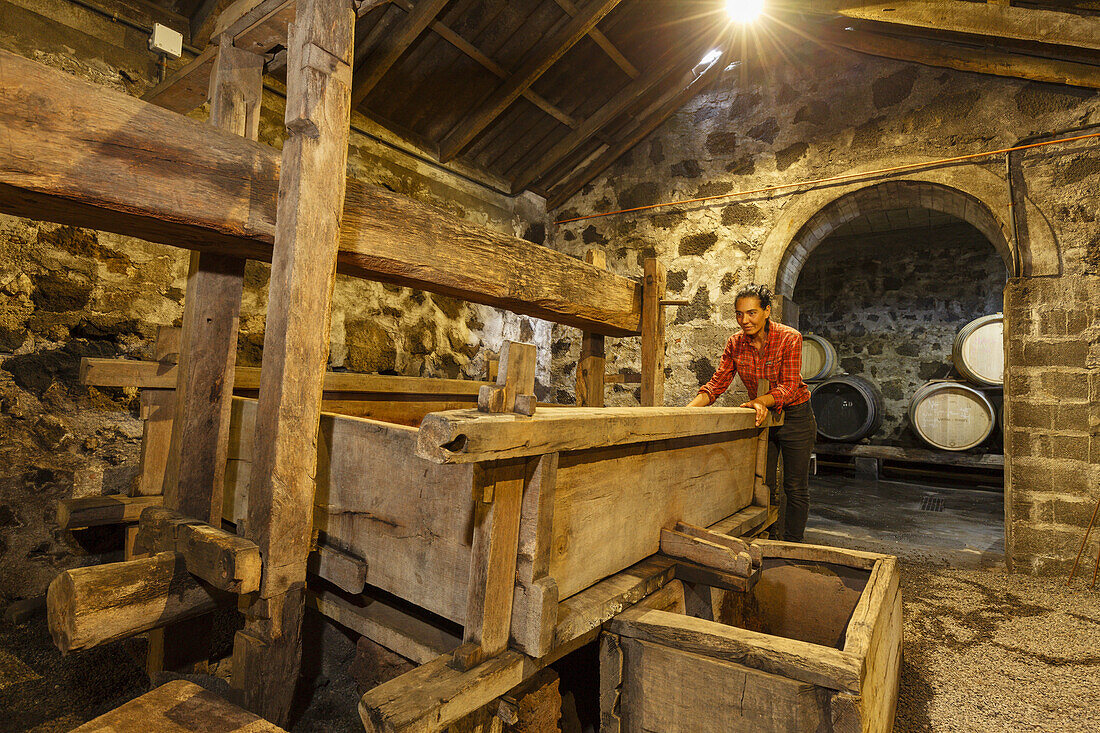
{"x": 814, "y": 646}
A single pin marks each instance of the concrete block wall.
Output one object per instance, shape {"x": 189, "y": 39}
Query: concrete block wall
{"x": 1052, "y": 420}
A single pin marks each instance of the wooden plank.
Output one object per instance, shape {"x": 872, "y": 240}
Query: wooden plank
{"x": 386, "y": 625}
{"x": 820, "y": 553}
{"x": 536, "y": 63}
{"x": 734, "y": 543}
{"x": 711, "y": 554}
{"x": 586, "y": 611}
{"x": 94, "y": 511}
{"x": 666, "y": 689}
{"x": 103, "y": 603}
{"x": 374, "y": 495}
{"x": 498, "y": 491}
{"x": 466, "y": 436}
{"x": 762, "y": 493}
{"x": 514, "y": 390}
{"x": 303, "y": 269}
{"x": 653, "y": 334}
{"x": 669, "y": 598}
{"x": 590, "y": 366}
{"x": 204, "y": 19}
{"x": 344, "y": 570}
{"x": 187, "y": 87}
{"x": 155, "y": 375}
{"x": 534, "y": 606}
{"x": 987, "y": 20}
{"x": 962, "y": 58}
{"x": 882, "y": 660}
{"x": 389, "y": 49}
{"x": 611, "y": 682}
{"x": 742, "y": 522}
{"x": 684, "y": 89}
{"x": 796, "y": 660}
{"x": 158, "y": 176}
{"x": 611, "y": 503}
{"x": 434, "y": 695}
{"x": 178, "y": 706}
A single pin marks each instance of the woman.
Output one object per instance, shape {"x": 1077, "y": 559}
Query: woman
{"x": 773, "y": 352}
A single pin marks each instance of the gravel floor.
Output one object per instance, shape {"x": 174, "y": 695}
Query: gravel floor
{"x": 984, "y": 651}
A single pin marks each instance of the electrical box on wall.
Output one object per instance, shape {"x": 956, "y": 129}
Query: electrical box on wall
{"x": 166, "y": 41}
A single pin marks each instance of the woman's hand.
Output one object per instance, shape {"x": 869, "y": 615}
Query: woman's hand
{"x": 761, "y": 411}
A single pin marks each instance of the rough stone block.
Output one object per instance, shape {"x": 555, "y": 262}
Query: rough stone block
{"x": 1056, "y": 541}
{"x": 1055, "y": 353}
{"x": 1031, "y": 415}
{"x": 1070, "y": 447}
{"x": 1017, "y": 383}
{"x": 1029, "y": 478}
{"x": 1072, "y": 416}
{"x": 1075, "y": 511}
{"x": 1030, "y": 511}
{"x": 1067, "y": 385}
{"x": 1052, "y": 323}
{"x": 1076, "y": 322}
{"x": 1070, "y": 477}
{"x": 1043, "y": 565}
{"x": 1019, "y": 443}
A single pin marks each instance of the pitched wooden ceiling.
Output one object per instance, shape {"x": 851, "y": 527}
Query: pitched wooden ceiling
{"x": 546, "y": 94}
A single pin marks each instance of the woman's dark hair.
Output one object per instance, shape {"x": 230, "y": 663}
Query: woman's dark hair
{"x": 761, "y": 292}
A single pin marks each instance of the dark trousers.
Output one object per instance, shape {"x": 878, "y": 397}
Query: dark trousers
{"x": 794, "y": 440}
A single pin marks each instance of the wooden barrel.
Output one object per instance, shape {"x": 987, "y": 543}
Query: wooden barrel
{"x": 847, "y": 408}
{"x": 979, "y": 351}
{"x": 818, "y": 358}
{"x": 951, "y": 415}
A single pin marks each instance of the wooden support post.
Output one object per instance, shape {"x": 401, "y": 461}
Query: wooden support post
{"x": 514, "y": 390}
{"x": 267, "y": 652}
{"x": 653, "y": 335}
{"x": 195, "y": 469}
{"x": 498, "y": 491}
{"x": 591, "y": 364}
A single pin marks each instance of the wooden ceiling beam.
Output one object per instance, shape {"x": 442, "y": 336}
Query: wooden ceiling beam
{"x": 603, "y": 42}
{"x": 444, "y": 32}
{"x": 961, "y": 58}
{"x": 539, "y": 61}
{"x": 989, "y": 20}
{"x": 595, "y": 122}
{"x": 205, "y": 18}
{"x": 391, "y": 46}
{"x": 685, "y": 88}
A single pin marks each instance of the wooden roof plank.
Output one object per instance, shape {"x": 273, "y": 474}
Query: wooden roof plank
{"x": 539, "y": 60}
{"x": 374, "y": 67}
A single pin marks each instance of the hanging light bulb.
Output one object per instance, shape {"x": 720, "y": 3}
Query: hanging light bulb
{"x": 744, "y": 11}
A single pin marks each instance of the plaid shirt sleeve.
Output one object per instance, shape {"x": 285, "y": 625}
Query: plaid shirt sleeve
{"x": 790, "y": 370}
{"x": 727, "y": 370}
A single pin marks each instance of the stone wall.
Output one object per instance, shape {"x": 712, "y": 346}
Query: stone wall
{"x": 68, "y": 293}
{"x": 805, "y": 113}
{"x": 891, "y": 304}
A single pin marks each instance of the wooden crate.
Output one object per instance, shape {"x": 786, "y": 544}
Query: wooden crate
{"x": 815, "y": 646}
{"x": 596, "y": 491}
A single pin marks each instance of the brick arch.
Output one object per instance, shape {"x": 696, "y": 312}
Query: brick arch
{"x": 973, "y": 195}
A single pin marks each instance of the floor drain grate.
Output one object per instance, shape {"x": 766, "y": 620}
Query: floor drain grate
{"x": 931, "y": 504}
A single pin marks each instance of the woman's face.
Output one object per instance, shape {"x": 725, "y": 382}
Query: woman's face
{"x": 750, "y": 316}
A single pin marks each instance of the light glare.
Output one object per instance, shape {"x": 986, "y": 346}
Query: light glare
{"x": 710, "y": 58}
{"x": 744, "y": 11}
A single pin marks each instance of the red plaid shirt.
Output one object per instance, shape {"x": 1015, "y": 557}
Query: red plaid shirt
{"x": 780, "y": 364}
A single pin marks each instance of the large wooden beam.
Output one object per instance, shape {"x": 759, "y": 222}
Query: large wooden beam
{"x": 962, "y": 58}
{"x": 267, "y": 652}
{"x": 87, "y": 156}
{"x": 102, "y": 603}
{"x": 539, "y": 60}
{"x": 470, "y": 436}
{"x": 390, "y": 48}
{"x": 989, "y": 20}
{"x": 603, "y": 42}
{"x": 590, "y": 366}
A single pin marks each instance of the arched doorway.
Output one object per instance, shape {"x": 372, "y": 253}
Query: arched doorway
{"x": 884, "y": 213}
